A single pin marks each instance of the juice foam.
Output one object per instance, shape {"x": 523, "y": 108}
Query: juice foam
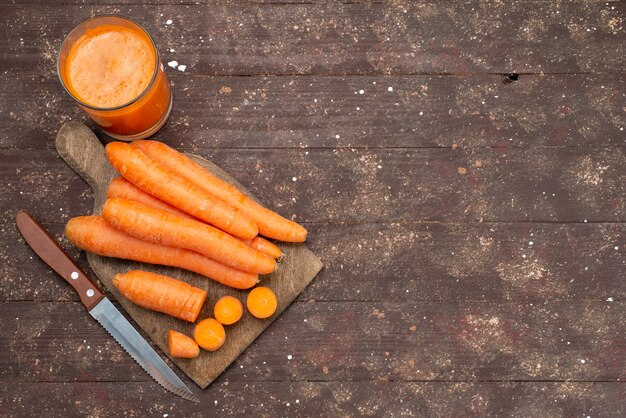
{"x": 110, "y": 66}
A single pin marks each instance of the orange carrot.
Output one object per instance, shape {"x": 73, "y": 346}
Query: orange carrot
{"x": 94, "y": 234}
{"x": 157, "y": 226}
{"x": 261, "y": 302}
{"x": 180, "y": 345}
{"x": 209, "y": 334}
{"x": 161, "y": 293}
{"x": 146, "y": 174}
{"x": 264, "y": 246}
{"x": 270, "y": 223}
{"x": 125, "y": 190}
{"x": 228, "y": 310}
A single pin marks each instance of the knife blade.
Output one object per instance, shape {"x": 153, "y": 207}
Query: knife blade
{"x": 100, "y": 307}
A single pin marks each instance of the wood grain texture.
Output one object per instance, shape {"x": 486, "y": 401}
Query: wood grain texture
{"x": 313, "y": 112}
{"x": 482, "y": 330}
{"x": 258, "y": 3}
{"x": 327, "y": 399}
{"x": 411, "y": 262}
{"x": 379, "y": 185}
{"x": 351, "y": 341}
{"x": 394, "y": 38}
{"x": 49, "y": 251}
{"x": 80, "y": 148}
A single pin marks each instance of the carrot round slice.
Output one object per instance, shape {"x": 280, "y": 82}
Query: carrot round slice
{"x": 228, "y": 310}
{"x": 261, "y": 302}
{"x": 209, "y": 334}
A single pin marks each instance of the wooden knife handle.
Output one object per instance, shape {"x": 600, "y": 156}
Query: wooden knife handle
{"x": 49, "y": 251}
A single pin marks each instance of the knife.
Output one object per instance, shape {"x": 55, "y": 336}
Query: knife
{"x": 100, "y": 307}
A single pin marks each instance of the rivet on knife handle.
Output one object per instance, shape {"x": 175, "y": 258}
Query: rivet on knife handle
{"x": 49, "y": 251}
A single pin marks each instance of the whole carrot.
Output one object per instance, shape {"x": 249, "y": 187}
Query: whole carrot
{"x": 157, "y": 226}
{"x": 270, "y": 223}
{"x": 146, "y": 174}
{"x": 94, "y": 234}
{"x": 121, "y": 188}
{"x": 264, "y": 246}
{"x": 161, "y": 293}
{"x": 125, "y": 190}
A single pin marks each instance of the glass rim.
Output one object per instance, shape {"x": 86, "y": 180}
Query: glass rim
{"x": 143, "y": 93}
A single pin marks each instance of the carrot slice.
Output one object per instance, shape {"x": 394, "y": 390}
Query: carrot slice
{"x": 261, "y": 302}
{"x": 119, "y": 187}
{"x": 180, "y": 345}
{"x": 157, "y": 226}
{"x": 94, "y": 234}
{"x": 146, "y": 174}
{"x": 228, "y": 310}
{"x": 161, "y": 293}
{"x": 270, "y": 223}
{"x": 209, "y": 334}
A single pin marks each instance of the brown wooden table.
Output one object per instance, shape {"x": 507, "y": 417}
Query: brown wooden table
{"x": 461, "y": 168}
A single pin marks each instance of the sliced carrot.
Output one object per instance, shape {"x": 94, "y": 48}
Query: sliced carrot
{"x": 157, "y": 226}
{"x": 261, "y": 302}
{"x": 149, "y": 176}
{"x": 180, "y": 345}
{"x": 209, "y": 334}
{"x": 123, "y": 189}
{"x": 270, "y": 223}
{"x": 161, "y": 293}
{"x": 228, "y": 310}
{"x": 94, "y": 234}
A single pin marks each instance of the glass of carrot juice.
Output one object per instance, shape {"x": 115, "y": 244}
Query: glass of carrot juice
{"x": 111, "y": 67}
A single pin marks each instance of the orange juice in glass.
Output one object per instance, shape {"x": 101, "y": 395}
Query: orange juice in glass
{"x": 111, "y": 67}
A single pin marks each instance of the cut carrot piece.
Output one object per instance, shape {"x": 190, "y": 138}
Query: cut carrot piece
{"x": 149, "y": 176}
{"x": 180, "y": 345}
{"x": 228, "y": 310}
{"x": 261, "y": 302}
{"x": 270, "y": 223}
{"x": 161, "y": 293}
{"x": 123, "y": 189}
{"x": 94, "y": 234}
{"x": 209, "y": 334}
{"x": 157, "y": 226}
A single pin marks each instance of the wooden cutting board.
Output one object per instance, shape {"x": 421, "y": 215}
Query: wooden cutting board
{"x": 84, "y": 152}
